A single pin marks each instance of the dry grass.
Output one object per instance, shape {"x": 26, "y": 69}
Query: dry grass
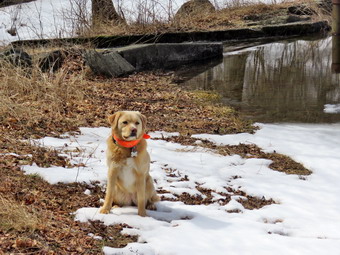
{"x": 30, "y": 97}
{"x": 35, "y": 104}
{"x": 16, "y": 217}
{"x": 30, "y": 94}
{"x": 207, "y": 96}
{"x": 233, "y": 16}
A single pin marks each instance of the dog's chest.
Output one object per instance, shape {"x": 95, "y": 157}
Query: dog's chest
{"x": 127, "y": 175}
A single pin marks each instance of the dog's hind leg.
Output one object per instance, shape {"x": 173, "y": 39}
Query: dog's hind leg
{"x": 151, "y": 194}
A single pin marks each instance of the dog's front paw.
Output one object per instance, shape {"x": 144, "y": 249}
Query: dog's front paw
{"x": 151, "y": 206}
{"x": 142, "y": 212}
{"x": 104, "y": 210}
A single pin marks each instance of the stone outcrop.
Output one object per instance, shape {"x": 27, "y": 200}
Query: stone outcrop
{"x": 17, "y": 57}
{"x": 169, "y": 55}
{"x": 292, "y": 29}
{"x": 296, "y": 28}
{"x": 122, "y": 61}
{"x": 108, "y": 63}
{"x": 51, "y": 61}
{"x": 117, "y": 62}
{"x": 194, "y": 7}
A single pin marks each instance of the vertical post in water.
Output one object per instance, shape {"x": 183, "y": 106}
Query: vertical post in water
{"x": 336, "y": 36}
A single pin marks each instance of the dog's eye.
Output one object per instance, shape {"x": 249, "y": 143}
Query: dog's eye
{"x": 137, "y": 123}
{"x": 125, "y": 122}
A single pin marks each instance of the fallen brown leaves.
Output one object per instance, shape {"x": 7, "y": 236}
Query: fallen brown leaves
{"x": 49, "y": 207}
{"x": 166, "y": 106}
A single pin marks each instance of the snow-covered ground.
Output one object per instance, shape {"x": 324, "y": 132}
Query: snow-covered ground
{"x": 64, "y": 18}
{"x": 332, "y": 108}
{"x": 41, "y": 19}
{"x": 304, "y": 220}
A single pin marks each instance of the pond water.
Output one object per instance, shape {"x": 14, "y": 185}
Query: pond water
{"x": 286, "y": 81}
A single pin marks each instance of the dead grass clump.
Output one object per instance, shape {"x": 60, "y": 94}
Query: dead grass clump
{"x": 207, "y": 96}
{"x": 31, "y": 98}
{"x": 287, "y": 165}
{"x": 16, "y": 217}
{"x": 235, "y": 15}
{"x": 252, "y": 203}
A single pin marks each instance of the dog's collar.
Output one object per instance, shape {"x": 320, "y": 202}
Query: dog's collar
{"x": 128, "y": 144}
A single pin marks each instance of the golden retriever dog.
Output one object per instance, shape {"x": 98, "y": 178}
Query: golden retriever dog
{"x": 129, "y": 181}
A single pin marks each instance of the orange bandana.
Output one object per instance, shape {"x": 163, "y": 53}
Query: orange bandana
{"x": 129, "y": 144}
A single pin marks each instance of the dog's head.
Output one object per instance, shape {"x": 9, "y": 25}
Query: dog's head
{"x": 128, "y": 125}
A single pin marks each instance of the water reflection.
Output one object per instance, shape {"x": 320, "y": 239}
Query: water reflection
{"x": 336, "y": 53}
{"x": 286, "y": 81}
{"x": 336, "y": 36}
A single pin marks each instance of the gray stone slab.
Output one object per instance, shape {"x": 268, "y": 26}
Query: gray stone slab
{"x": 319, "y": 27}
{"x": 17, "y": 57}
{"x": 108, "y": 63}
{"x": 168, "y": 55}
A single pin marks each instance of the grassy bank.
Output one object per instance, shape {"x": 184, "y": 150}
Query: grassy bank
{"x": 233, "y": 15}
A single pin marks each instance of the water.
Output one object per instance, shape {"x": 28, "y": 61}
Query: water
{"x": 288, "y": 81}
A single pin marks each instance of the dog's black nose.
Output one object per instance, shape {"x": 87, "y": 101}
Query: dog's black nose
{"x": 133, "y": 132}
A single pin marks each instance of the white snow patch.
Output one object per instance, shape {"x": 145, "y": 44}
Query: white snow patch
{"x": 95, "y": 237}
{"x": 332, "y": 108}
{"x": 87, "y": 192}
{"x": 304, "y": 220}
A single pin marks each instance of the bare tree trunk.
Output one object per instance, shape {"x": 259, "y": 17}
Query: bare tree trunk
{"x": 103, "y": 11}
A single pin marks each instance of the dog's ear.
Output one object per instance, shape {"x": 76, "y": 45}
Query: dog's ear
{"x": 143, "y": 118}
{"x": 113, "y": 119}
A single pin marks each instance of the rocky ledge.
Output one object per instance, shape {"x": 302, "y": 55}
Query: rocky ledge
{"x": 282, "y": 30}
